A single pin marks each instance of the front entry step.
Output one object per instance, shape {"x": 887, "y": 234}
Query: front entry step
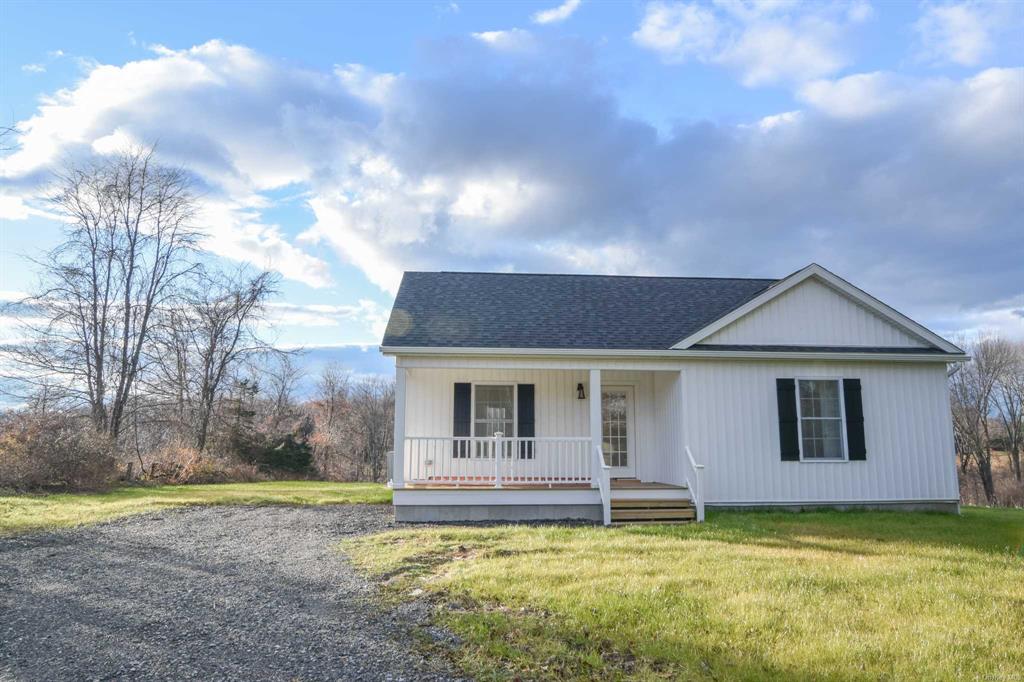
{"x": 652, "y": 511}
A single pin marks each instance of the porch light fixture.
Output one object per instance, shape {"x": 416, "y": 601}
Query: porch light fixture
{"x": 580, "y": 393}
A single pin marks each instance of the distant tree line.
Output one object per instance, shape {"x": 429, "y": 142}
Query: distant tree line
{"x": 139, "y": 358}
{"x": 987, "y": 398}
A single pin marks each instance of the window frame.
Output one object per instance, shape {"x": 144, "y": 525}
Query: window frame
{"x": 842, "y": 420}
{"x": 472, "y": 416}
{"x": 515, "y": 407}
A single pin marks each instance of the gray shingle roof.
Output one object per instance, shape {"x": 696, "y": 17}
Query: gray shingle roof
{"x": 494, "y": 310}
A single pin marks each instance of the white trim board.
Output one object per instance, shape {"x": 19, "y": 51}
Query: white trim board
{"x": 814, "y": 270}
{"x": 669, "y": 360}
{"x": 495, "y": 496}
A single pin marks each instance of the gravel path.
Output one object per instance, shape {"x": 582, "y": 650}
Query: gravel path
{"x": 216, "y": 593}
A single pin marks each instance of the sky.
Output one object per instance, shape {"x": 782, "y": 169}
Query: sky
{"x": 344, "y": 143}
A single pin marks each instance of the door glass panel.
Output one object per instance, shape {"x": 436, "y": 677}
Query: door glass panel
{"x": 615, "y": 428}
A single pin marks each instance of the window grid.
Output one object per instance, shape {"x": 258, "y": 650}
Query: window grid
{"x": 493, "y": 412}
{"x": 821, "y": 419}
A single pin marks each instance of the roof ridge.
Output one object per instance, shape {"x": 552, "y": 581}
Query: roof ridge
{"x": 584, "y": 274}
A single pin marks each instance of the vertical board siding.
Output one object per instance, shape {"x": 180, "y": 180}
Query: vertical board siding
{"x": 813, "y": 313}
{"x": 669, "y": 427}
{"x": 557, "y": 410}
{"x": 730, "y": 422}
{"x": 726, "y": 412}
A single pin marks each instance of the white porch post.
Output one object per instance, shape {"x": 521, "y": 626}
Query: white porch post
{"x": 398, "y": 467}
{"x": 595, "y": 417}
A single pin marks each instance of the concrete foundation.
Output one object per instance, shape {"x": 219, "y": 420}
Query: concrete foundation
{"x": 433, "y": 513}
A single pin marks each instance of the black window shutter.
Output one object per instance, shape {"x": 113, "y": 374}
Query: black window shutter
{"x": 789, "y": 435}
{"x": 525, "y": 425}
{"x": 461, "y": 413}
{"x": 854, "y": 419}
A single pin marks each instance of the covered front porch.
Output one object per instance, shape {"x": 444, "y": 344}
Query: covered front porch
{"x": 569, "y": 443}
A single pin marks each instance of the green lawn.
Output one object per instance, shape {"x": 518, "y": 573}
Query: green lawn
{"x": 21, "y": 513}
{"x": 830, "y": 595}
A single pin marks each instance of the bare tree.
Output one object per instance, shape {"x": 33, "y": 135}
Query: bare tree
{"x": 7, "y": 134}
{"x": 281, "y": 378}
{"x": 1008, "y": 398}
{"x": 128, "y": 240}
{"x": 973, "y": 388}
{"x": 371, "y": 426}
{"x": 332, "y": 392}
{"x": 330, "y": 409}
{"x": 203, "y": 340}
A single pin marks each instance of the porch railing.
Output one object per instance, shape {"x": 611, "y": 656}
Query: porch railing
{"x": 602, "y": 475}
{"x": 498, "y": 461}
{"x": 694, "y": 474}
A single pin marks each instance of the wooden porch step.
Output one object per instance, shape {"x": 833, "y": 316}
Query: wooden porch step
{"x": 651, "y": 504}
{"x": 652, "y": 511}
{"x": 651, "y": 514}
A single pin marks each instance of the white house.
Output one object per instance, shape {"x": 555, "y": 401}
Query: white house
{"x": 645, "y": 399}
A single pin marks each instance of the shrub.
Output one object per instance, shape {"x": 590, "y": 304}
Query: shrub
{"x": 176, "y": 463}
{"x": 54, "y": 452}
{"x": 287, "y": 454}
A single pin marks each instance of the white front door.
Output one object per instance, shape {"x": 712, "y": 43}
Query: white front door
{"x": 617, "y": 427}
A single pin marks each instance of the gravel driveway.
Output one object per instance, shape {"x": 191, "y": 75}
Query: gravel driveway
{"x": 254, "y": 593}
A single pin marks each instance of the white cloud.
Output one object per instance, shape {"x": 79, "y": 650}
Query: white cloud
{"x": 1003, "y": 318}
{"x": 366, "y": 84}
{"x": 368, "y": 313}
{"x": 243, "y": 124}
{"x": 856, "y": 96}
{"x": 497, "y": 201}
{"x": 860, "y": 11}
{"x": 240, "y": 235}
{"x": 14, "y": 207}
{"x": 511, "y": 40}
{"x": 33, "y": 68}
{"x": 556, "y": 14}
{"x": 957, "y": 33}
{"x": 678, "y": 31}
{"x": 786, "y": 118}
{"x": 777, "y": 52}
{"x": 766, "y": 43}
{"x": 8, "y": 295}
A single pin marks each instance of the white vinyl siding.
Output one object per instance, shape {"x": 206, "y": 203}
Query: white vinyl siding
{"x": 726, "y": 411}
{"x": 814, "y": 314}
{"x": 731, "y": 422}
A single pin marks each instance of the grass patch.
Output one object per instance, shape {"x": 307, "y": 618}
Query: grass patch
{"x": 826, "y": 595}
{"x": 22, "y": 513}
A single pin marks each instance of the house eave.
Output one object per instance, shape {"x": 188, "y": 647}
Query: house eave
{"x": 670, "y": 354}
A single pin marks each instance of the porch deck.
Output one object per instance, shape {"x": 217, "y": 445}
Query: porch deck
{"x": 488, "y": 482}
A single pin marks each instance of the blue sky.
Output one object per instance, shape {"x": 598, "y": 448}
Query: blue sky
{"x": 342, "y": 143}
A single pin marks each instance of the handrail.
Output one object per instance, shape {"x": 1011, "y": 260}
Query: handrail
{"x": 602, "y": 474}
{"x": 497, "y": 461}
{"x": 695, "y": 482}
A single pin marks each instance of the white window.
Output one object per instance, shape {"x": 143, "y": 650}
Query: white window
{"x": 494, "y": 411}
{"x": 820, "y": 409}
